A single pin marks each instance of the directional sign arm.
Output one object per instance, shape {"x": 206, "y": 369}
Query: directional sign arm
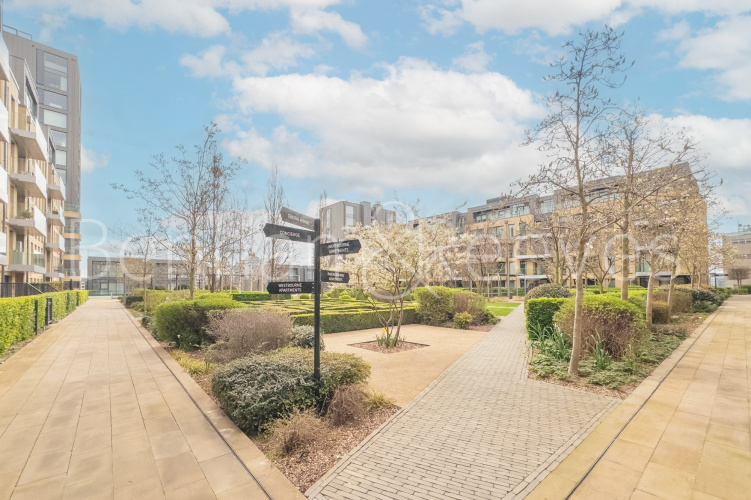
{"x": 289, "y": 233}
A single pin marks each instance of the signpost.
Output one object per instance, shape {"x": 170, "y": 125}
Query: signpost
{"x": 340, "y": 247}
{"x": 311, "y": 234}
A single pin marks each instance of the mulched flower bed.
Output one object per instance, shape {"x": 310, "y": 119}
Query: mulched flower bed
{"x": 403, "y": 346}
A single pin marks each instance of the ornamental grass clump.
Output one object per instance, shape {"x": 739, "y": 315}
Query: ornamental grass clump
{"x": 239, "y": 333}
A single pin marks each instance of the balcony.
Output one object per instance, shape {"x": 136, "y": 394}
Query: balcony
{"x": 4, "y": 121}
{"x": 55, "y": 217}
{"x": 3, "y": 249}
{"x": 28, "y": 219}
{"x": 73, "y": 211}
{"x": 56, "y": 243}
{"x": 32, "y": 142}
{"x": 55, "y": 272}
{"x": 23, "y": 262}
{"x": 4, "y": 62}
{"x": 28, "y": 176}
{"x": 71, "y": 231}
{"x": 4, "y": 197}
{"x": 73, "y": 253}
{"x": 72, "y": 273}
{"x": 56, "y": 189}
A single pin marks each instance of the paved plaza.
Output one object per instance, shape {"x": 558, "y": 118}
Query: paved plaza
{"x": 482, "y": 430}
{"x": 91, "y": 409}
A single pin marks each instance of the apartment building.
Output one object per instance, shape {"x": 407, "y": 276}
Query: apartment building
{"x": 51, "y": 79}
{"x": 522, "y": 255}
{"x": 741, "y": 241}
{"x": 113, "y": 276}
{"x": 32, "y": 192}
{"x": 337, "y": 216}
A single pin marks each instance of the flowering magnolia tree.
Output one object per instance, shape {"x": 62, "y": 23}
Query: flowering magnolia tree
{"x": 394, "y": 260}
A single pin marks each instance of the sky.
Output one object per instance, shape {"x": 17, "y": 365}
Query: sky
{"x": 374, "y": 101}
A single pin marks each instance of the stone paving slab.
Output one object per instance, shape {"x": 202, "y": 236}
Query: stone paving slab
{"x": 93, "y": 408}
{"x": 683, "y": 433}
{"x": 482, "y": 430}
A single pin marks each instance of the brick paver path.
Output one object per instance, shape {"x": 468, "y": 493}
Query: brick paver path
{"x": 482, "y": 430}
{"x": 90, "y": 410}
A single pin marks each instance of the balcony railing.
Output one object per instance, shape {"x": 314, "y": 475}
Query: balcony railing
{"x": 72, "y": 273}
{"x": 29, "y": 175}
{"x": 56, "y": 188}
{"x": 4, "y": 197}
{"x": 27, "y": 259}
{"x": 72, "y": 208}
{"x": 29, "y": 218}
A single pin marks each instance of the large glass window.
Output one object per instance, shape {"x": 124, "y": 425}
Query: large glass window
{"x": 61, "y": 158}
{"x": 349, "y": 215}
{"x": 31, "y": 101}
{"x": 59, "y": 138}
{"x": 53, "y": 99}
{"x": 57, "y": 63}
{"x": 52, "y": 70}
{"x": 63, "y": 174}
{"x": 54, "y": 118}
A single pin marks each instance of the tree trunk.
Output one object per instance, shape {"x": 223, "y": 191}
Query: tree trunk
{"x": 650, "y": 285}
{"x": 573, "y": 367}
{"x": 625, "y": 262}
{"x": 671, "y": 289}
{"x": 193, "y": 265}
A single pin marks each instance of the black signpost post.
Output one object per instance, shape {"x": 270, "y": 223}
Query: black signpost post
{"x": 311, "y": 235}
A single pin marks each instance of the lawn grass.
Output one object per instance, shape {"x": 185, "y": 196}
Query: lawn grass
{"x": 501, "y": 308}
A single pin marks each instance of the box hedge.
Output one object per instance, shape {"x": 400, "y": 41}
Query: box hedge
{"x": 616, "y": 321}
{"x": 258, "y": 389}
{"x": 334, "y": 322}
{"x": 17, "y": 314}
{"x": 541, "y": 311}
{"x": 184, "y": 322}
{"x": 251, "y": 296}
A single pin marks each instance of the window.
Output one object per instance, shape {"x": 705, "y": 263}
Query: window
{"x": 523, "y": 267}
{"x": 61, "y": 158}
{"x": 349, "y": 215}
{"x": 31, "y": 102}
{"x": 522, "y": 229}
{"x": 59, "y": 138}
{"x": 53, "y": 99}
{"x": 63, "y": 174}
{"x": 546, "y": 206}
{"x": 52, "y": 70}
{"x": 511, "y": 230}
{"x": 57, "y": 63}
{"x": 54, "y": 118}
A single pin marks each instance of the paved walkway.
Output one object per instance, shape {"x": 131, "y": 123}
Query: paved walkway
{"x": 482, "y": 430}
{"x": 684, "y": 433}
{"x": 91, "y": 409}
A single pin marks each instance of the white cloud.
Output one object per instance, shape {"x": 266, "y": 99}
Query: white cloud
{"x": 417, "y": 125}
{"x": 678, "y": 31}
{"x": 275, "y": 52}
{"x": 474, "y": 59}
{"x": 91, "y": 160}
{"x": 311, "y": 21}
{"x": 556, "y": 17}
{"x": 726, "y": 49}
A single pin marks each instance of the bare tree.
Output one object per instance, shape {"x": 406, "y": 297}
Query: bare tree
{"x": 572, "y": 135}
{"x": 739, "y": 274}
{"x": 178, "y": 192}
{"x": 277, "y": 250}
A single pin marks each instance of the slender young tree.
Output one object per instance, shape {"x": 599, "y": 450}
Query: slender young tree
{"x": 277, "y": 250}
{"x": 572, "y": 136}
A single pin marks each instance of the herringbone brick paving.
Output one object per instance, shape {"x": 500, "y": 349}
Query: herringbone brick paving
{"x": 481, "y": 430}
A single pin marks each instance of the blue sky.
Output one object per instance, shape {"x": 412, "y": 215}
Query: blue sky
{"x": 427, "y": 99}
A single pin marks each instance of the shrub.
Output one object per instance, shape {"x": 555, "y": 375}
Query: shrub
{"x": 660, "y": 312}
{"x": 540, "y": 312}
{"x": 681, "y": 299}
{"x": 434, "y": 304}
{"x": 132, "y": 300}
{"x": 296, "y": 432}
{"x": 376, "y": 400}
{"x": 146, "y": 321}
{"x": 304, "y": 296}
{"x": 261, "y": 387}
{"x": 704, "y": 306}
{"x": 491, "y": 318}
{"x": 192, "y": 365}
{"x": 470, "y": 303}
{"x": 705, "y": 295}
{"x": 618, "y": 322}
{"x": 462, "y": 320}
{"x": 184, "y": 322}
{"x": 240, "y": 332}
{"x": 674, "y": 330}
{"x": 304, "y": 336}
{"x": 334, "y": 322}
{"x": 548, "y": 290}
{"x": 347, "y": 405}
{"x": 251, "y": 296}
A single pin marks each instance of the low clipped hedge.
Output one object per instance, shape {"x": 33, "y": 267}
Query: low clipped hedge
{"x": 257, "y": 389}
{"x": 251, "y": 296}
{"x": 334, "y": 322}
{"x": 660, "y": 313}
{"x": 541, "y": 311}
{"x": 435, "y": 304}
{"x": 616, "y": 321}
{"x": 184, "y": 322}
{"x": 17, "y": 314}
{"x": 548, "y": 290}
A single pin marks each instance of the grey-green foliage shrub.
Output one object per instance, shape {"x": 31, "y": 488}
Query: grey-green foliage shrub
{"x": 304, "y": 336}
{"x": 184, "y": 322}
{"x": 260, "y": 388}
{"x": 540, "y": 312}
{"x": 471, "y": 303}
{"x": 704, "y": 306}
{"x": 240, "y": 332}
{"x": 435, "y": 304}
{"x": 618, "y": 323}
{"x": 549, "y": 290}
{"x": 462, "y": 320}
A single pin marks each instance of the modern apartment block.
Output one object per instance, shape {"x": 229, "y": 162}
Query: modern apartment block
{"x": 337, "y": 216}
{"x": 512, "y": 227}
{"x": 50, "y": 87}
{"x": 741, "y": 241}
{"x": 113, "y": 276}
{"x": 32, "y": 191}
